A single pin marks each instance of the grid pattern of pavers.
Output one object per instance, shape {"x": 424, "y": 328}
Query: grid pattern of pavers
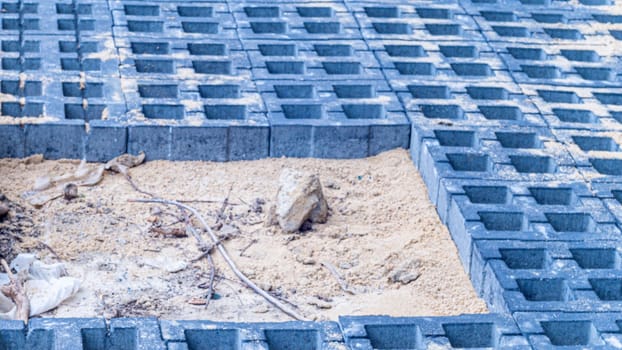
{"x": 511, "y": 109}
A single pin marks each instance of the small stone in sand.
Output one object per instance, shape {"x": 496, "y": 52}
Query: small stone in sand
{"x": 405, "y": 273}
{"x": 70, "y": 191}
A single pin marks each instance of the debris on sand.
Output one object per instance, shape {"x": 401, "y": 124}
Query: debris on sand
{"x": 48, "y": 188}
{"x": 299, "y": 200}
{"x": 70, "y": 191}
{"x": 42, "y": 287}
{"x": 33, "y": 159}
{"x": 122, "y": 163}
{"x": 405, "y": 273}
{"x": 107, "y": 242}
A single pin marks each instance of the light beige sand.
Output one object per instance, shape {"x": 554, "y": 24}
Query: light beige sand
{"x": 381, "y": 220}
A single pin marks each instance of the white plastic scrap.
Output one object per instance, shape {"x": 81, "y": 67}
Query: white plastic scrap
{"x": 47, "y": 286}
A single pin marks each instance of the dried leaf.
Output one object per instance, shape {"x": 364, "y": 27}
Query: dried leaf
{"x": 125, "y": 161}
{"x": 82, "y": 170}
{"x": 38, "y": 200}
{"x": 93, "y": 177}
{"x": 33, "y": 159}
{"x": 47, "y": 189}
{"x": 42, "y": 183}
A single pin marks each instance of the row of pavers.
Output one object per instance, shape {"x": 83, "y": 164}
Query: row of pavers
{"x": 524, "y": 331}
{"x": 510, "y": 110}
{"x": 375, "y": 332}
{"x": 529, "y": 186}
{"x": 334, "y": 79}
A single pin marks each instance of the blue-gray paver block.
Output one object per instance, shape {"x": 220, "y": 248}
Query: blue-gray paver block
{"x": 66, "y": 334}
{"x": 56, "y": 140}
{"x": 13, "y": 142}
{"x": 465, "y": 331}
{"x": 547, "y": 276}
{"x": 81, "y": 333}
{"x": 334, "y": 118}
{"x": 12, "y": 335}
{"x": 105, "y": 140}
{"x": 247, "y": 336}
{"x": 571, "y": 330}
{"x": 497, "y": 153}
{"x": 155, "y": 140}
{"x": 468, "y": 222}
{"x": 136, "y": 334}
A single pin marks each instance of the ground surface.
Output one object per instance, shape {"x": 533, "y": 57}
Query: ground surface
{"x": 381, "y": 223}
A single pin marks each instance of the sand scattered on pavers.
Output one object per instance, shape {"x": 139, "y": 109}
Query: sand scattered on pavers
{"x": 381, "y": 219}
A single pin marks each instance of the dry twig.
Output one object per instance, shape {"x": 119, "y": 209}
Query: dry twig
{"x": 223, "y": 207}
{"x": 342, "y": 283}
{"x": 44, "y": 245}
{"x": 206, "y": 253}
{"x": 221, "y": 249}
{"x": 253, "y": 241}
{"x": 135, "y": 187}
{"x": 206, "y": 201}
{"x": 16, "y": 291}
{"x": 173, "y": 231}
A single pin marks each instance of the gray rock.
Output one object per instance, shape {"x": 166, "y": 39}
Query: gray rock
{"x": 299, "y": 199}
{"x": 405, "y": 273}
